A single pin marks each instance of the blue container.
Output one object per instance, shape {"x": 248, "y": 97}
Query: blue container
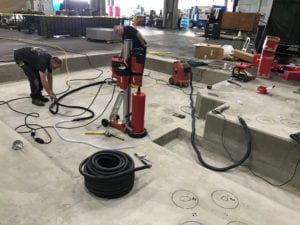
{"x": 223, "y": 8}
{"x": 184, "y": 22}
{"x": 56, "y": 4}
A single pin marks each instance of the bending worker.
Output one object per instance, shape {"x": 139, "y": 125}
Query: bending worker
{"x": 129, "y": 32}
{"x": 37, "y": 65}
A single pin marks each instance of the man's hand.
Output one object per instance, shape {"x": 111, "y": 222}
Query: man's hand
{"x": 53, "y": 97}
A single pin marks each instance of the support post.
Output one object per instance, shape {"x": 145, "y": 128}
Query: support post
{"x": 127, "y": 92}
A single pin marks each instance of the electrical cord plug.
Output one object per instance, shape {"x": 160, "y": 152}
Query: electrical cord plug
{"x": 39, "y": 140}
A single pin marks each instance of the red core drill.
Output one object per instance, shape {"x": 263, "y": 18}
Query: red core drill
{"x": 128, "y": 72}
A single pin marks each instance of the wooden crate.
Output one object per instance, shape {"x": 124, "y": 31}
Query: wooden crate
{"x": 240, "y": 21}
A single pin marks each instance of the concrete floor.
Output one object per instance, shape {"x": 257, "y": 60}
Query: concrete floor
{"x": 175, "y": 44}
{"x": 40, "y": 184}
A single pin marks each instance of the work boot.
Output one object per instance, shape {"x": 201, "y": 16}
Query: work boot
{"x": 43, "y": 98}
{"x": 37, "y": 101}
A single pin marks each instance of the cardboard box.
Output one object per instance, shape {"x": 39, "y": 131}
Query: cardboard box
{"x": 248, "y": 57}
{"x": 207, "y": 51}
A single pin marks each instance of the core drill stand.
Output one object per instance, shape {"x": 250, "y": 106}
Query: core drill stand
{"x": 128, "y": 71}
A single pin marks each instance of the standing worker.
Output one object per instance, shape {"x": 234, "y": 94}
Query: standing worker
{"x": 129, "y": 32}
{"x": 37, "y": 65}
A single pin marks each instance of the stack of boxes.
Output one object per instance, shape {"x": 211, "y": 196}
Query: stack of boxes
{"x": 267, "y": 56}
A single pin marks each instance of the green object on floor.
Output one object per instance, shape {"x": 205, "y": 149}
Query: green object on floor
{"x": 296, "y": 137}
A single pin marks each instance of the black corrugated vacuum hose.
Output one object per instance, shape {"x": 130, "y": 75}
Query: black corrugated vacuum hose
{"x": 198, "y": 153}
{"x": 57, "y": 104}
{"x": 109, "y": 174}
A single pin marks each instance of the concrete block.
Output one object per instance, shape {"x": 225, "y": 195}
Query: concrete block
{"x": 102, "y": 34}
{"x": 204, "y": 104}
{"x": 271, "y": 156}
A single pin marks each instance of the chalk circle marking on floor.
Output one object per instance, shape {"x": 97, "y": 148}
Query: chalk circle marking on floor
{"x": 185, "y": 199}
{"x": 225, "y": 199}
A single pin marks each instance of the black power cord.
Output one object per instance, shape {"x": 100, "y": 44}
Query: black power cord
{"x": 32, "y": 128}
{"x": 109, "y": 174}
{"x": 198, "y": 153}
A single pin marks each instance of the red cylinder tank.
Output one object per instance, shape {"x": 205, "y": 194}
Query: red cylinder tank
{"x": 138, "y": 112}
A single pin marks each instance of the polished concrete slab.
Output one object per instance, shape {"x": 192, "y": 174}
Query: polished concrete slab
{"x": 41, "y": 184}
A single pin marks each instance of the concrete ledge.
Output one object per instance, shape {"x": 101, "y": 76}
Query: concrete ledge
{"x": 11, "y": 72}
{"x": 205, "y": 103}
{"x": 200, "y": 74}
{"x": 83, "y": 62}
{"x": 271, "y": 118}
{"x": 272, "y": 156}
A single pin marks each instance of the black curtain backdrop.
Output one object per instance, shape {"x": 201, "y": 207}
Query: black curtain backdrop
{"x": 284, "y": 21}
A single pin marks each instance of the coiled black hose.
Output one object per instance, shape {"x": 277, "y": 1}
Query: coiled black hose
{"x": 109, "y": 174}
